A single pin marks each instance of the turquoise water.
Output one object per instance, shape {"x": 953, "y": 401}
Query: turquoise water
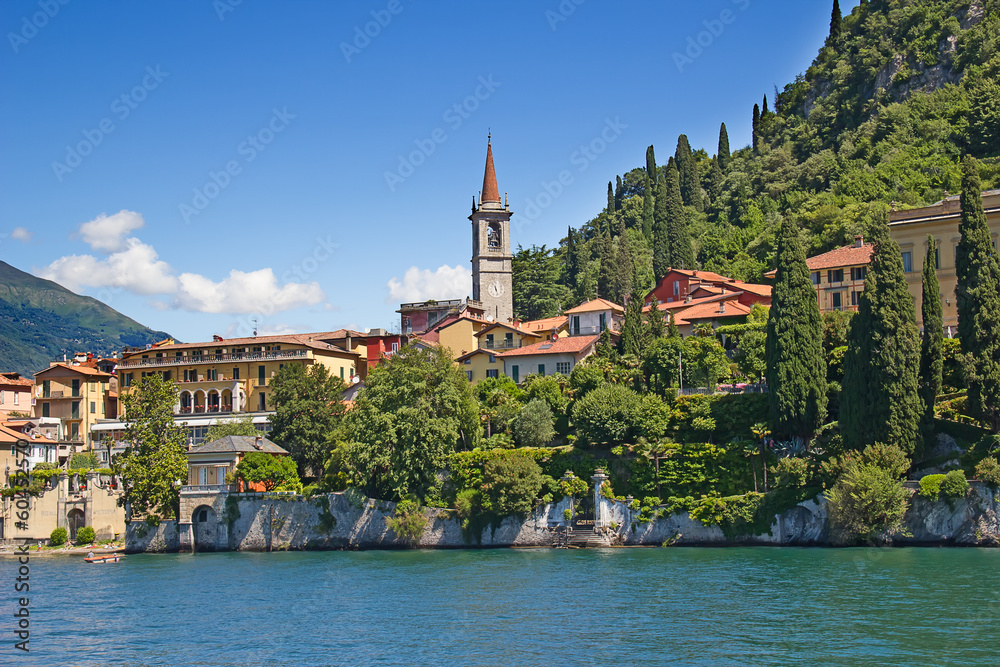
{"x": 518, "y": 607}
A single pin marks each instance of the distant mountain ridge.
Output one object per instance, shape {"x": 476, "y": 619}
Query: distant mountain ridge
{"x": 40, "y": 321}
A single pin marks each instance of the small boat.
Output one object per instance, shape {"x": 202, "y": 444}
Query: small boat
{"x": 104, "y": 558}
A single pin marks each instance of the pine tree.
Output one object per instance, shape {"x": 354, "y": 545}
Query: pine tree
{"x": 606, "y": 274}
{"x": 661, "y": 233}
{"x": 618, "y": 193}
{"x": 633, "y": 340}
{"x": 932, "y": 343}
{"x": 723, "y": 155}
{"x": 796, "y": 369}
{"x": 681, "y": 252}
{"x": 611, "y": 200}
{"x": 672, "y": 330}
{"x": 756, "y": 128}
{"x": 688, "y": 173}
{"x": 654, "y": 320}
{"x": 879, "y": 402}
{"x": 623, "y": 265}
{"x": 835, "y": 20}
{"x": 977, "y": 296}
{"x": 648, "y": 217}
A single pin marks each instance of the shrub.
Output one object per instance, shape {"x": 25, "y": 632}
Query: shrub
{"x": 408, "y": 521}
{"x": 58, "y": 537}
{"x": 511, "y": 484}
{"x": 867, "y": 503}
{"x": 930, "y": 486}
{"x": 890, "y": 458}
{"x": 792, "y": 473}
{"x": 85, "y": 535}
{"x": 988, "y": 472}
{"x": 85, "y": 461}
{"x": 534, "y": 426}
{"x": 607, "y": 414}
{"x": 954, "y": 485}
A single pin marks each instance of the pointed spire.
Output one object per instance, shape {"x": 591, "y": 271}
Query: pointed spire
{"x": 491, "y": 193}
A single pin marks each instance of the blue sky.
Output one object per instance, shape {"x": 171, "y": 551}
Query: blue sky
{"x": 199, "y": 165}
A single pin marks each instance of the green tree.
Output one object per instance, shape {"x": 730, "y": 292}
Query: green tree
{"x": 574, "y": 261}
{"x": 661, "y": 232}
{"x": 633, "y": 337}
{"x": 751, "y": 355}
{"x": 932, "y": 342}
{"x": 267, "y": 470}
{"x": 611, "y": 200}
{"x": 977, "y": 295}
{"x": 499, "y": 403}
{"x": 650, "y": 168}
{"x": 84, "y": 461}
{"x": 307, "y": 411}
{"x": 619, "y": 193}
{"x": 154, "y": 458}
{"x": 722, "y": 156}
{"x": 679, "y": 241}
{"x": 984, "y": 117}
{"x": 606, "y": 275}
{"x": 416, "y": 409}
{"x": 796, "y": 370}
{"x": 879, "y": 401}
{"x": 867, "y": 503}
{"x": 661, "y": 364}
{"x": 624, "y": 273}
{"x": 672, "y": 330}
{"x": 537, "y": 290}
{"x": 241, "y": 426}
{"x": 705, "y": 356}
{"x": 511, "y": 484}
{"x": 835, "y": 20}
{"x": 655, "y": 322}
{"x": 648, "y": 214}
{"x": 533, "y": 427}
{"x": 755, "y": 126}
{"x": 687, "y": 172}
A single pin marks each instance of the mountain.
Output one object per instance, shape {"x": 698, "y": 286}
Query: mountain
{"x": 41, "y": 321}
{"x": 881, "y": 117}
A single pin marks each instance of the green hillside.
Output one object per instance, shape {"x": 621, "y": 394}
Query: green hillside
{"x": 900, "y": 91}
{"x": 40, "y": 321}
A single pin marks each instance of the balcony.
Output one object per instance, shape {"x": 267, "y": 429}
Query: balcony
{"x": 499, "y": 344}
{"x": 205, "y": 410}
{"x": 587, "y": 331}
{"x": 272, "y": 355}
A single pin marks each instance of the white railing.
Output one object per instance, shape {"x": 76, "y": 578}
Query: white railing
{"x": 214, "y": 358}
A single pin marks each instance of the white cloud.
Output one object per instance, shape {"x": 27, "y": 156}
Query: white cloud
{"x": 106, "y": 233}
{"x": 422, "y": 284}
{"x": 136, "y": 268}
{"x": 241, "y": 292}
{"x": 21, "y": 234}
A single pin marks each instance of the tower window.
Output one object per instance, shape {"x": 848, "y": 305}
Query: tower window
{"x": 493, "y": 235}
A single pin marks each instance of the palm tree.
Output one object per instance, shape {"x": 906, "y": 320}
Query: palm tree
{"x": 761, "y": 432}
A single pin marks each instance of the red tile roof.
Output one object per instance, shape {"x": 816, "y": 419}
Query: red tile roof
{"x": 311, "y": 340}
{"x": 564, "y": 345}
{"x": 710, "y": 311}
{"x": 838, "y": 258}
{"x": 594, "y": 306}
{"x": 546, "y": 324}
{"x": 490, "y": 190}
{"x": 84, "y": 370}
{"x": 15, "y": 379}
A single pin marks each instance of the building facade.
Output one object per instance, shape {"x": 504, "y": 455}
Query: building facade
{"x": 491, "y": 257}
{"x": 15, "y": 395}
{"x": 78, "y": 396}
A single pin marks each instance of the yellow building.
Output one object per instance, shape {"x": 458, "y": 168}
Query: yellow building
{"x": 232, "y": 375}
{"x": 458, "y": 334}
{"x": 910, "y": 228}
{"x": 76, "y": 395}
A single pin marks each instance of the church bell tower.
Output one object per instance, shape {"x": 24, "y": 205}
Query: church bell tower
{"x": 491, "y": 258}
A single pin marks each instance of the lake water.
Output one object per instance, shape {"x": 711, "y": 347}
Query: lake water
{"x": 517, "y": 606}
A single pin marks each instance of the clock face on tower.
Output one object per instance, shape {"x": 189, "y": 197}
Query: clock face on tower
{"x": 495, "y": 289}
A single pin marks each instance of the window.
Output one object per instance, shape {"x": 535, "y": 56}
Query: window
{"x": 937, "y": 257}
{"x": 395, "y": 347}
{"x": 46, "y": 389}
{"x": 492, "y": 373}
{"x": 541, "y": 369}
{"x": 260, "y": 375}
{"x": 76, "y": 388}
{"x": 15, "y": 398}
{"x": 677, "y": 288}
{"x": 93, "y": 408}
{"x": 75, "y": 410}
{"x": 514, "y": 375}
{"x": 93, "y": 384}
{"x": 489, "y": 341}
{"x": 563, "y": 367}
{"x": 467, "y": 361}
{"x": 74, "y": 431}
{"x": 341, "y": 372}
{"x": 835, "y": 276}
{"x": 859, "y": 272}
{"x": 855, "y": 297}
{"x": 211, "y": 375}
{"x": 907, "y": 261}
{"x": 576, "y": 324}
{"x": 236, "y": 373}
{"x": 835, "y": 296}
{"x": 815, "y": 277}
{"x": 604, "y": 322}
{"x": 45, "y": 409}
{"x": 493, "y": 359}
{"x": 468, "y": 375}
{"x": 166, "y": 376}
{"x": 261, "y": 402}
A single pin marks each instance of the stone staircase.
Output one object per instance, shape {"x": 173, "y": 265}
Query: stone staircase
{"x": 580, "y": 537}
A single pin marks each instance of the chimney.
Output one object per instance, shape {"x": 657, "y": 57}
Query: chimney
{"x": 258, "y": 442}
{"x": 722, "y": 307}
{"x": 859, "y": 241}
{"x": 216, "y": 338}
{"x": 687, "y": 299}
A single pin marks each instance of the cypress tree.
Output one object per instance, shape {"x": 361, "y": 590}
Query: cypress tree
{"x": 977, "y": 296}
{"x": 632, "y": 335}
{"x": 835, "y": 20}
{"x": 796, "y": 369}
{"x": 723, "y": 155}
{"x": 679, "y": 241}
{"x": 648, "y": 216}
{"x": 618, "y": 193}
{"x": 763, "y": 109}
{"x": 611, "y": 200}
{"x": 713, "y": 185}
{"x": 687, "y": 171}
{"x": 623, "y": 264}
{"x": 606, "y": 273}
{"x": 661, "y": 232}
{"x": 932, "y": 343}
{"x": 651, "y": 166}
{"x": 756, "y": 128}
{"x": 672, "y": 330}
{"x": 654, "y": 319}
{"x": 572, "y": 260}
{"x": 880, "y": 402}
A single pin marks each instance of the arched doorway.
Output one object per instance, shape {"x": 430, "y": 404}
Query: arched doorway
{"x": 75, "y": 520}
{"x": 185, "y": 402}
{"x": 213, "y": 400}
{"x": 199, "y": 401}
{"x": 205, "y": 528}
